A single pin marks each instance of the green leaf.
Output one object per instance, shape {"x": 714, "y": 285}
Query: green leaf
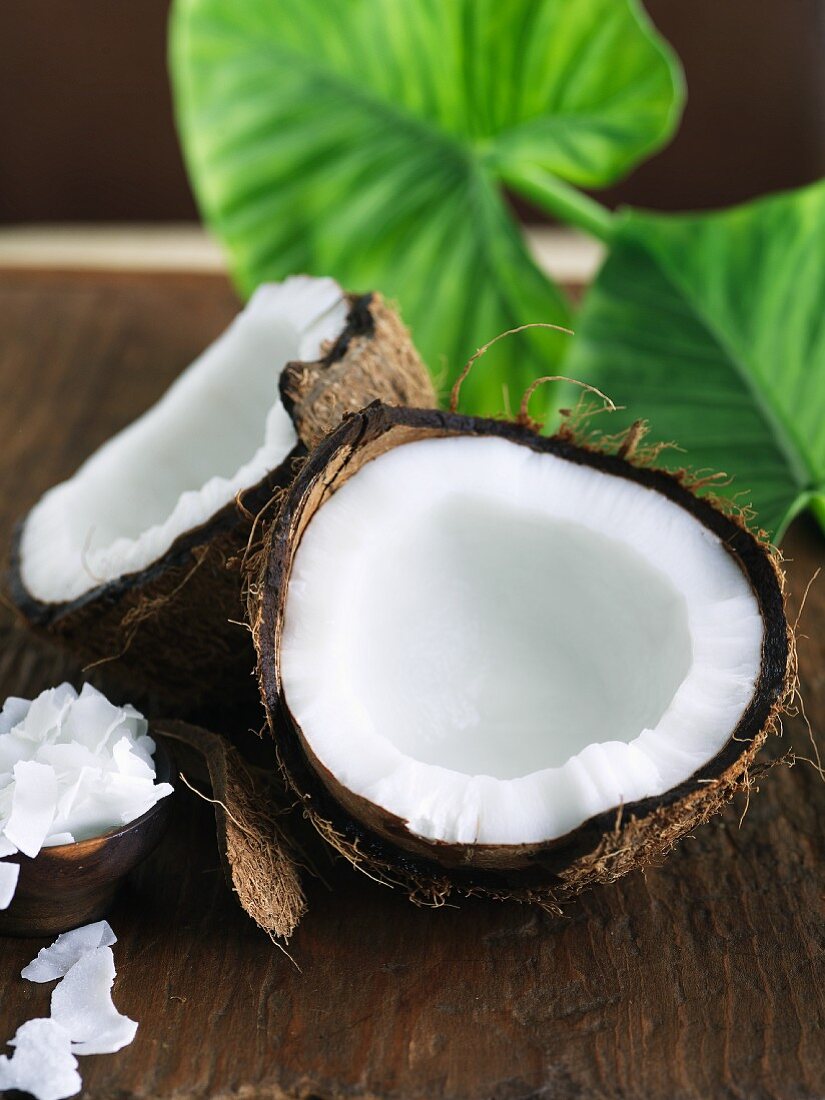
{"x": 713, "y": 328}
{"x": 369, "y": 139}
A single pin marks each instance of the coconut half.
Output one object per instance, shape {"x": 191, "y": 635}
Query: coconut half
{"x": 127, "y": 561}
{"x": 510, "y": 663}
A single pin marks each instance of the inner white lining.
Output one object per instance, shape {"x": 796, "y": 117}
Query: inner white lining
{"x": 495, "y": 644}
{"x": 219, "y": 428}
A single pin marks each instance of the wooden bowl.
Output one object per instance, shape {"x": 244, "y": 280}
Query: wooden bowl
{"x": 73, "y": 884}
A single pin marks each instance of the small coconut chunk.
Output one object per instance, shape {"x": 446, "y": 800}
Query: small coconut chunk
{"x": 82, "y": 1004}
{"x": 9, "y": 874}
{"x": 42, "y": 1064}
{"x": 33, "y": 804}
{"x": 55, "y": 961}
{"x": 72, "y": 766}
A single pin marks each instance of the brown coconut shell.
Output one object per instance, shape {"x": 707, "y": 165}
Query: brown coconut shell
{"x": 602, "y": 848}
{"x": 260, "y": 861}
{"x": 170, "y": 634}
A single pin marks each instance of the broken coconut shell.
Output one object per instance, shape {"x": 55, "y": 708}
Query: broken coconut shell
{"x": 625, "y": 833}
{"x": 168, "y": 632}
{"x": 260, "y": 860}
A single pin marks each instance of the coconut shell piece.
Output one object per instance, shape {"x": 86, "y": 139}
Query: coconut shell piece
{"x": 259, "y": 860}
{"x": 170, "y": 634}
{"x": 602, "y": 848}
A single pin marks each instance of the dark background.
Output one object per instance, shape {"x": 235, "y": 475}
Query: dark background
{"x": 87, "y": 134}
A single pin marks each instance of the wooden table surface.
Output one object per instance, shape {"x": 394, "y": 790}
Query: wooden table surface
{"x": 704, "y": 978}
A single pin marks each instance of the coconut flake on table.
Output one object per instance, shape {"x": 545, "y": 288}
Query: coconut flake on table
{"x": 72, "y": 766}
{"x": 55, "y": 961}
{"x": 42, "y": 1063}
{"x": 82, "y": 1004}
{"x": 83, "y": 1017}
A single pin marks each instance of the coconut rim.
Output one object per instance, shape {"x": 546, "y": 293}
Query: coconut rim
{"x": 495, "y": 866}
{"x": 360, "y": 322}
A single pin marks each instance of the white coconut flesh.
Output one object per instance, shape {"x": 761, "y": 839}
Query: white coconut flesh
{"x": 218, "y": 429}
{"x": 495, "y": 645}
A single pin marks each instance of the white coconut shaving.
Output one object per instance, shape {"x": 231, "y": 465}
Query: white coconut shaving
{"x": 219, "y": 429}
{"x": 56, "y": 961}
{"x": 9, "y": 873}
{"x": 42, "y": 1063}
{"x": 72, "y": 766}
{"x": 33, "y": 804}
{"x": 83, "y": 1017}
{"x": 82, "y": 1004}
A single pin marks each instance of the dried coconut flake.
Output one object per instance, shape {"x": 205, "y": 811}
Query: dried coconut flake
{"x": 82, "y": 1004}
{"x": 55, "y": 961}
{"x": 83, "y": 1018}
{"x": 42, "y": 1063}
{"x": 9, "y": 873}
{"x": 33, "y": 805}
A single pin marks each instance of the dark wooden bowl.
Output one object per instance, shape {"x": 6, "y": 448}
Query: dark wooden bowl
{"x": 73, "y": 884}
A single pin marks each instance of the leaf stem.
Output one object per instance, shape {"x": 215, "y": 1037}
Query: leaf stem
{"x": 817, "y": 507}
{"x": 561, "y": 199}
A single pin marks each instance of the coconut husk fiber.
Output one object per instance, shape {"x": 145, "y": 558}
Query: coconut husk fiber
{"x": 259, "y": 859}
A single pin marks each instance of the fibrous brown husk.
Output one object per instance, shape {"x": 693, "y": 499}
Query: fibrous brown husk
{"x": 170, "y": 635}
{"x": 260, "y": 862}
{"x": 374, "y": 356}
{"x": 601, "y": 849}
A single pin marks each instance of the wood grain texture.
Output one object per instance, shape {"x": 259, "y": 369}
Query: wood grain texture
{"x": 702, "y": 979}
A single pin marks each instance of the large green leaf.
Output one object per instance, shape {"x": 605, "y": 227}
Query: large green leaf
{"x": 713, "y": 327}
{"x": 368, "y": 139}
